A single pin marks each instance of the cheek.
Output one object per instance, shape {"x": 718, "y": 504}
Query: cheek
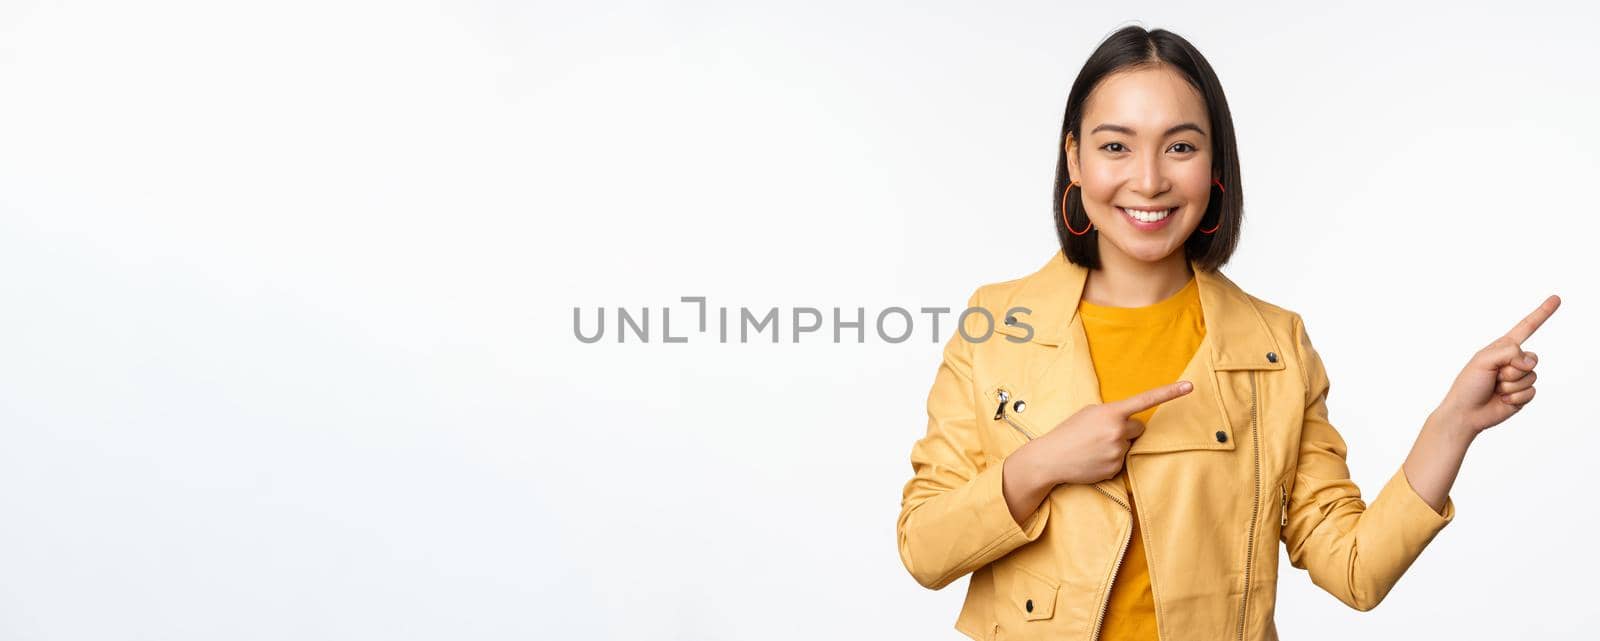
{"x": 1101, "y": 181}
{"x": 1193, "y": 180}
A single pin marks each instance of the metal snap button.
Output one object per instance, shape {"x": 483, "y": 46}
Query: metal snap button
{"x": 1222, "y": 437}
{"x": 1028, "y": 606}
{"x": 1272, "y": 357}
{"x": 1011, "y": 320}
{"x": 1019, "y": 406}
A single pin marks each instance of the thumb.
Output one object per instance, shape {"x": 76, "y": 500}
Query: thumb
{"x": 1132, "y": 428}
{"x": 1151, "y": 398}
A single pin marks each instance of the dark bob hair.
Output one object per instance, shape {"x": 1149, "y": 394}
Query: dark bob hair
{"x": 1130, "y": 48}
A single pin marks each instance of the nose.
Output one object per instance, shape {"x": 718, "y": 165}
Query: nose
{"x": 1150, "y": 180}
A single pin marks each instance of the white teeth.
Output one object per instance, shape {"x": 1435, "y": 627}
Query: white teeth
{"x": 1148, "y": 216}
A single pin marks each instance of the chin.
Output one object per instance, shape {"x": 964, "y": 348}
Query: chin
{"x": 1149, "y": 251}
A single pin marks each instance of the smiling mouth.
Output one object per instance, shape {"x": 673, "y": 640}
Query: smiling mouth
{"x": 1148, "y": 215}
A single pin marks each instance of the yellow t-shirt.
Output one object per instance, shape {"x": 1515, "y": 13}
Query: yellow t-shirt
{"x": 1135, "y": 349}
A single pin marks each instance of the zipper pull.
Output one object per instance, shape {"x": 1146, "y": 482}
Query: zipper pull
{"x": 1283, "y": 503}
{"x": 1000, "y": 410}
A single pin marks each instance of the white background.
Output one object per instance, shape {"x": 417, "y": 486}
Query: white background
{"x": 286, "y": 345}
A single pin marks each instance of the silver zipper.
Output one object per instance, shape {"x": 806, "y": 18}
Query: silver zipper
{"x": 1255, "y": 507}
{"x": 1001, "y": 413}
{"x": 1106, "y": 603}
{"x": 1283, "y": 506}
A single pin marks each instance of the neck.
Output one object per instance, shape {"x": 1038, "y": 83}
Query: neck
{"x": 1124, "y": 281}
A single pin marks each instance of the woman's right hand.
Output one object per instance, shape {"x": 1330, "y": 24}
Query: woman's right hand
{"x": 1088, "y": 447}
{"x": 1091, "y": 445}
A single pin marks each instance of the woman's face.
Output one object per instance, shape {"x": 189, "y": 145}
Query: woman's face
{"x": 1144, "y": 162}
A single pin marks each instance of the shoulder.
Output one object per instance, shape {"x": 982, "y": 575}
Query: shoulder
{"x": 1281, "y": 320}
{"x": 997, "y": 297}
{"x": 1044, "y": 289}
{"x": 1275, "y": 316}
{"x": 996, "y": 294}
{"x": 1288, "y": 330}
{"x": 1027, "y": 308}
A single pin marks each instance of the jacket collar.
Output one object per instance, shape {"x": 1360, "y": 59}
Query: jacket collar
{"x": 1236, "y": 335}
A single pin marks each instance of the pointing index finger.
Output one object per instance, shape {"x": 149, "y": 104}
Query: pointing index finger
{"x": 1526, "y": 326}
{"x": 1151, "y": 398}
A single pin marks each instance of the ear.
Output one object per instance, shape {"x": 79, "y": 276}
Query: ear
{"x": 1071, "y": 149}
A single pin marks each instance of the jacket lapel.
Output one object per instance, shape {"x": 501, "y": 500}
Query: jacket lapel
{"x": 1063, "y": 375}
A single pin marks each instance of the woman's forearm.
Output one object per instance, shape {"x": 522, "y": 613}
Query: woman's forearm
{"x": 1436, "y": 457}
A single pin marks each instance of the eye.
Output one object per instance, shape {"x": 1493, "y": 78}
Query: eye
{"x": 1114, "y": 147}
{"x": 1181, "y": 147}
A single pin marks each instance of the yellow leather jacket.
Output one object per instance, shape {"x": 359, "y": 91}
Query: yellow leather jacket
{"x": 1246, "y": 459}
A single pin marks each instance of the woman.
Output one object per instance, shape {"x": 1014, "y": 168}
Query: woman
{"x": 1119, "y": 460}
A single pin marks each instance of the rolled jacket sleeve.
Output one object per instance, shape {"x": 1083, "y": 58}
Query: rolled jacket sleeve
{"x": 953, "y": 513}
{"x": 1355, "y": 551}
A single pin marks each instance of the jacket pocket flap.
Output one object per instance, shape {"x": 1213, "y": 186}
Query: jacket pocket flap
{"x": 1034, "y": 595}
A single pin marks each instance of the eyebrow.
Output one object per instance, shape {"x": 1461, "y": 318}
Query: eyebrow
{"x": 1128, "y": 131}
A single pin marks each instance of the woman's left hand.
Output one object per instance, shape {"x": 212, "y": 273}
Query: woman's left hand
{"x": 1498, "y": 381}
